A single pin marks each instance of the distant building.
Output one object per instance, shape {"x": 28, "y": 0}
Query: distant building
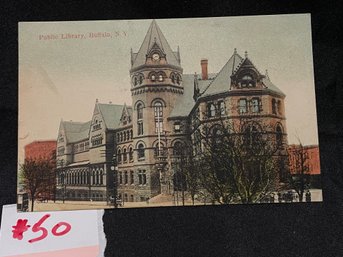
{"x": 309, "y": 154}
{"x": 168, "y": 108}
{"x": 43, "y": 149}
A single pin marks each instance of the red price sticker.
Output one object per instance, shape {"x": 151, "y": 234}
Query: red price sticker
{"x": 59, "y": 229}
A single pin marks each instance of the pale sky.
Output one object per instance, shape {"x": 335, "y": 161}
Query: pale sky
{"x": 61, "y": 78}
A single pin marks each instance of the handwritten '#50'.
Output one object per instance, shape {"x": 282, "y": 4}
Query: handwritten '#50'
{"x": 22, "y": 227}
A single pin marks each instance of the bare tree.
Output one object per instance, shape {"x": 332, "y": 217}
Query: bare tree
{"x": 238, "y": 160}
{"x": 38, "y": 177}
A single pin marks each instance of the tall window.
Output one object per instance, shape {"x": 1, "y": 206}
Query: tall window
{"x": 124, "y": 155}
{"x": 131, "y": 154}
{"x": 211, "y": 110}
{"x": 273, "y": 106}
{"x": 119, "y": 156}
{"x": 140, "y": 119}
{"x": 140, "y": 111}
{"x": 141, "y": 151}
{"x": 142, "y": 177}
{"x": 278, "y": 135}
{"x": 177, "y": 127}
{"x": 126, "y": 178}
{"x": 132, "y": 179}
{"x": 221, "y": 107}
{"x": 251, "y": 135}
{"x": 279, "y": 107}
{"x": 242, "y": 105}
{"x": 158, "y": 112}
{"x": 120, "y": 178}
{"x": 159, "y": 149}
{"x": 255, "y": 105}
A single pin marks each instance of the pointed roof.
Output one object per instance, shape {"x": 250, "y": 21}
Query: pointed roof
{"x": 154, "y": 38}
{"x": 223, "y": 80}
{"x": 76, "y": 131}
{"x": 111, "y": 114}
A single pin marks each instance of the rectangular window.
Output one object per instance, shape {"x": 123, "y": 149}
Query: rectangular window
{"x": 132, "y": 179}
{"x": 126, "y": 178}
{"x": 221, "y": 108}
{"x": 140, "y": 128}
{"x": 177, "y": 127}
{"x": 255, "y": 105}
{"x": 242, "y": 106}
{"x": 158, "y": 126}
{"x": 120, "y": 178}
{"x": 140, "y": 180}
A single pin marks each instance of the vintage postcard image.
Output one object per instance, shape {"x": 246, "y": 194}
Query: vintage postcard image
{"x": 170, "y": 112}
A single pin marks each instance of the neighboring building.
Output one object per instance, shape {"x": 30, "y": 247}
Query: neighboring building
{"x": 308, "y": 155}
{"x": 40, "y": 149}
{"x": 168, "y": 108}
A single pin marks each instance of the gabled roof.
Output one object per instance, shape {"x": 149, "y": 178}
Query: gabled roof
{"x": 154, "y": 37}
{"x": 222, "y": 81}
{"x": 111, "y": 114}
{"x": 126, "y": 112}
{"x": 76, "y": 131}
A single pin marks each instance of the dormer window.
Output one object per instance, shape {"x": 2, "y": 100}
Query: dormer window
{"x": 247, "y": 77}
{"x": 247, "y": 81}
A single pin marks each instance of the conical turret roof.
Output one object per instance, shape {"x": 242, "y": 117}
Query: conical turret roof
{"x": 154, "y": 37}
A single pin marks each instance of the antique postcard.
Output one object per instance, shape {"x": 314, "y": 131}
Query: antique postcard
{"x": 170, "y": 112}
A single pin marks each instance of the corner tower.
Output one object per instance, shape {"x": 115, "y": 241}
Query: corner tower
{"x": 156, "y": 84}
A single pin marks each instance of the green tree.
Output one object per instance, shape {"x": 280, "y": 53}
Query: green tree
{"x": 38, "y": 177}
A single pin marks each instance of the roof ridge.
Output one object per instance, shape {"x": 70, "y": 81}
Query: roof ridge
{"x": 219, "y": 72}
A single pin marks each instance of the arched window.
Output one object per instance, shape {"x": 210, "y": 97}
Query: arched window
{"x": 119, "y": 156}
{"x": 158, "y": 149}
{"x": 279, "y": 135}
{"x": 120, "y": 178}
{"x": 97, "y": 177}
{"x": 140, "y": 79}
{"x": 101, "y": 177}
{"x": 177, "y": 149}
{"x": 173, "y": 78}
{"x": 160, "y": 77}
{"x": 158, "y": 112}
{"x": 126, "y": 178}
{"x": 141, "y": 151}
{"x": 131, "y": 133}
{"x": 121, "y": 136}
{"x": 128, "y": 135}
{"x": 130, "y": 154}
{"x": 124, "y": 155}
{"x": 178, "y": 79}
{"x": 140, "y": 119}
{"x": 124, "y": 136}
{"x": 135, "y": 81}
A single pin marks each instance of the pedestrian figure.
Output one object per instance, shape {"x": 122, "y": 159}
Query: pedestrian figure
{"x": 308, "y": 196}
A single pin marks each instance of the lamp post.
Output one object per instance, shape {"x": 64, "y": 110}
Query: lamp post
{"x": 114, "y": 169}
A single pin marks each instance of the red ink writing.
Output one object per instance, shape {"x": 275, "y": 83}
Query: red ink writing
{"x": 63, "y": 232}
{"x": 37, "y": 227}
{"x": 19, "y": 229}
{"x": 59, "y": 229}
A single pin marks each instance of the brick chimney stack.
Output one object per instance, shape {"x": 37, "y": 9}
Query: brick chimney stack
{"x": 204, "y": 72}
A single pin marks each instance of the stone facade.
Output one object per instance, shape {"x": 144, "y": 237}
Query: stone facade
{"x": 166, "y": 104}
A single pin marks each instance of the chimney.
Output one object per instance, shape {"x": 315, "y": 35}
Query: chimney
{"x": 204, "y": 73}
